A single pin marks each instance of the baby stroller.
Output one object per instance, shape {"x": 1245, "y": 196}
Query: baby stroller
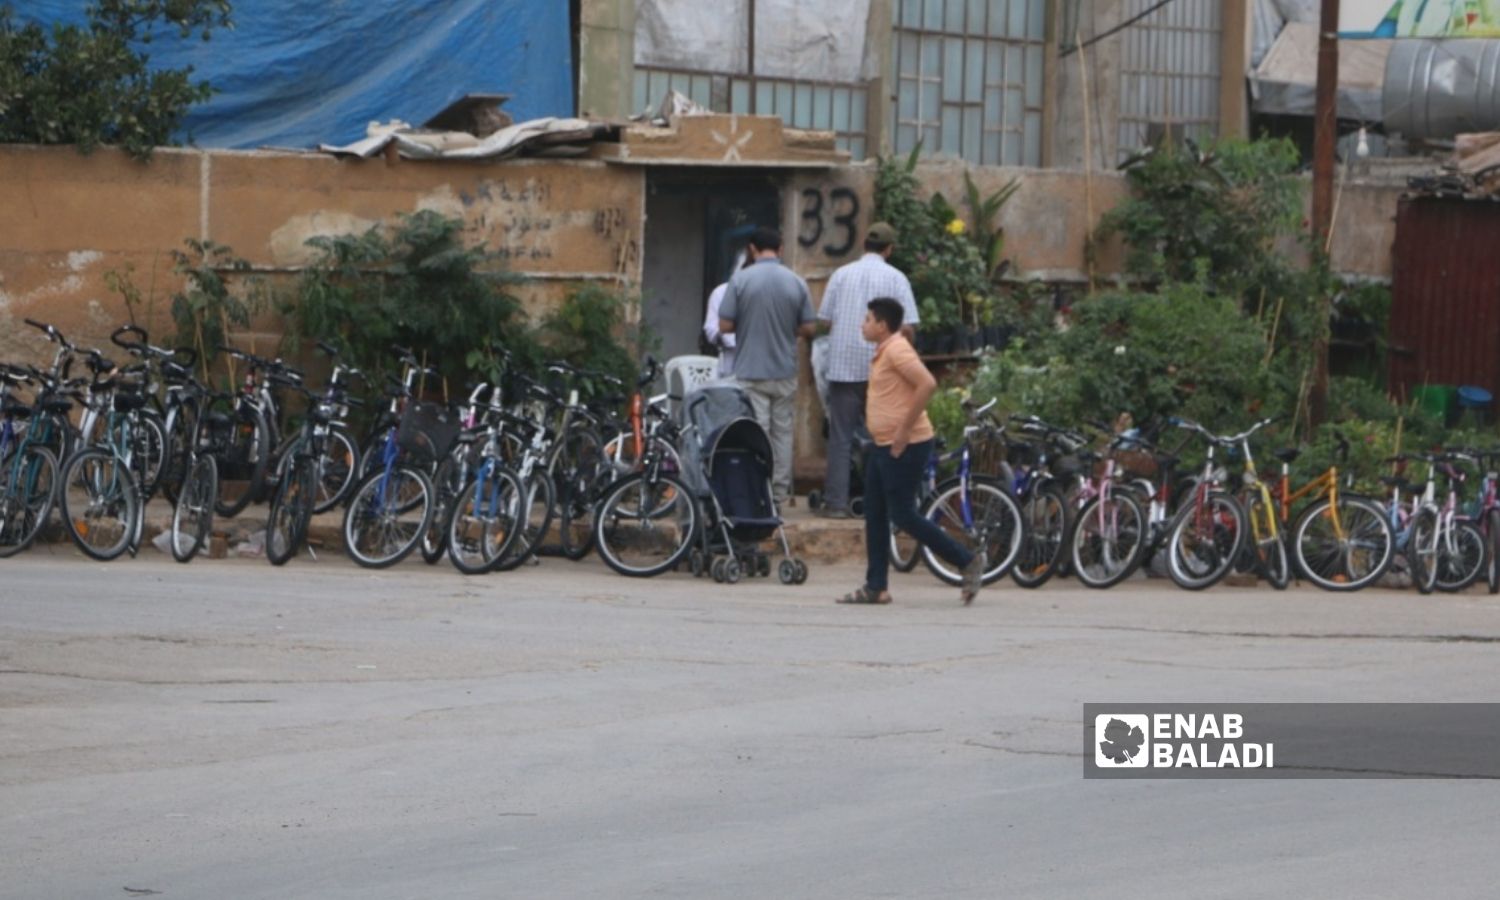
{"x": 861, "y": 436}
{"x": 726, "y": 463}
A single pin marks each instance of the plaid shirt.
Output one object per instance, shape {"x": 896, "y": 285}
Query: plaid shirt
{"x": 845, "y": 301}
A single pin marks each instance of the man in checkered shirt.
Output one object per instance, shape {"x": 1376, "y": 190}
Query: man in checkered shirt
{"x": 845, "y": 301}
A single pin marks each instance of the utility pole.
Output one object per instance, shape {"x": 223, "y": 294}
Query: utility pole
{"x": 1325, "y": 137}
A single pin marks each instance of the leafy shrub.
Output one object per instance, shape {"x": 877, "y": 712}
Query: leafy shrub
{"x": 592, "y": 330}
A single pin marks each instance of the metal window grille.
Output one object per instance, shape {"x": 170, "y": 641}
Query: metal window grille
{"x": 970, "y": 77}
{"x": 1169, "y": 74}
{"x": 822, "y": 105}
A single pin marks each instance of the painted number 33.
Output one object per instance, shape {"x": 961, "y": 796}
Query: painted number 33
{"x": 842, "y": 208}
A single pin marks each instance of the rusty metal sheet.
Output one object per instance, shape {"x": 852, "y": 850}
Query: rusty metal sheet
{"x": 1445, "y": 305}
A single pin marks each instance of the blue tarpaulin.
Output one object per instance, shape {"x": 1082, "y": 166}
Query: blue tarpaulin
{"x": 296, "y": 73}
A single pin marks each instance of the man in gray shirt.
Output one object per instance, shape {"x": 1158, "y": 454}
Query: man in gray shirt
{"x": 767, "y": 307}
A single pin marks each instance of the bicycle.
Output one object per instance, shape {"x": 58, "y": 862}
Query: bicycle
{"x": 1109, "y": 531}
{"x": 1206, "y": 535}
{"x": 1340, "y": 541}
{"x": 976, "y": 510}
{"x": 102, "y": 503}
{"x": 1459, "y": 546}
{"x": 28, "y": 470}
{"x": 648, "y": 521}
{"x": 1042, "y": 471}
{"x": 1414, "y": 528}
{"x": 301, "y": 479}
{"x": 482, "y": 525}
{"x": 198, "y": 489}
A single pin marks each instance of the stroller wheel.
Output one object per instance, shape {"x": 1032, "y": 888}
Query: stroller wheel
{"x": 801, "y": 571}
{"x": 857, "y": 507}
{"x": 763, "y": 566}
{"x": 697, "y": 564}
{"x": 814, "y": 498}
{"x": 732, "y": 571}
{"x": 787, "y": 572}
{"x": 717, "y": 569}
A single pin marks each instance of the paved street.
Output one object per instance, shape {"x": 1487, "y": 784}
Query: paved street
{"x": 230, "y": 730}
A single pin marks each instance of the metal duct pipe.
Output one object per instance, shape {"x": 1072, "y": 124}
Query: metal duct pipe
{"x": 1438, "y": 88}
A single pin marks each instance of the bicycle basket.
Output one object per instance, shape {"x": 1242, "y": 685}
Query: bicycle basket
{"x": 428, "y": 431}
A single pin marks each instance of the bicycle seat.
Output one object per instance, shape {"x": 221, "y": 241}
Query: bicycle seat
{"x": 1167, "y": 460}
{"x": 55, "y": 404}
{"x": 128, "y": 402}
{"x": 217, "y": 419}
{"x": 1288, "y": 454}
{"x": 1396, "y": 481}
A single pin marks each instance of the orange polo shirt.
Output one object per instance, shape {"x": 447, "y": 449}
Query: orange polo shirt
{"x": 894, "y": 374}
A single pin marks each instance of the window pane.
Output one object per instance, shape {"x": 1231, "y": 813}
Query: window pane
{"x": 1015, "y": 61}
{"x": 992, "y": 100}
{"x": 932, "y": 56}
{"x": 999, "y": 16}
{"x": 1034, "y": 75}
{"x": 841, "y": 109}
{"x": 906, "y": 138}
{"x": 911, "y": 13}
{"x": 739, "y": 96}
{"x": 822, "y": 108}
{"x": 765, "y": 99}
{"x": 1036, "y": 20}
{"x": 1017, "y": 18}
{"x": 973, "y": 71}
{"x": 640, "y": 90}
{"x": 994, "y": 66}
{"x": 857, "y": 148}
{"x": 933, "y": 20}
{"x": 932, "y": 142}
{"x": 952, "y": 128}
{"x": 783, "y": 105}
{"x": 972, "y": 133}
{"x": 1010, "y": 149}
{"x": 1013, "y": 109}
{"x": 953, "y": 70}
{"x": 909, "y": 57}
{"x": 976, "y": 17}
{"x": 992, "y": 148}
{"x": 857, "y": 101}
{"x": 802, "y": 106}
{"x": 702, "y": 91}
{"x": 954, "y": 20}
{"x": 929, "y": 101}
{"x": 1033, "y": 139}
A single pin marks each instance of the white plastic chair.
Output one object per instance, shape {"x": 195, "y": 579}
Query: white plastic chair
{"x": 690, "y": 373}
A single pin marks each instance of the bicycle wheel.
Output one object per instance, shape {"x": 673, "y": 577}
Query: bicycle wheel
{"x": 1204, "y": 540}
{"x": 643, "y": 527}
{"x": 28, "y": 485}
{"x": 337, "y": 468}
{"x": 905, "y": 551}
{"x": 243, "y": 464}
{"x": 181, "y": 425}
{"x": 1108, "y": 540}
{"x": 1422, "y": 550}
{"x": 997, "y": 526}
{"x": 99, "y": 503}
{"x": 1343, "y": 549}
{"x": 580, "y": 471}
{"x": 1264, "y": 541}
{"x": 1045, "y": 513}
{"x": 1460, "y": 559}
{"x": 537, "y": 503}
{"x": 448, "y": 482}
{"x": 1492, "y": 567}
{"x": 387, "y": 515}
{"x": 151, "y": 448}
{"x": 193, "y": 512}
{"x": 291, "y": 511}
{"x": 482, "y": 521}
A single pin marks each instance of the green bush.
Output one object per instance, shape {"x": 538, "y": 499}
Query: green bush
{"x": 593, "y": 329}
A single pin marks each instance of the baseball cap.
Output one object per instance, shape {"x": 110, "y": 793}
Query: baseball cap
{"x": 881, "y": 233}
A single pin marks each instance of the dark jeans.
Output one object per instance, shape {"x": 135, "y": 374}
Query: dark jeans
{"x": 891, "y": 499}
{"x": 846, "y": 413}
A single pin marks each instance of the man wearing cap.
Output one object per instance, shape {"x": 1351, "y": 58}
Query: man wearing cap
{"x": 841, "y": 315}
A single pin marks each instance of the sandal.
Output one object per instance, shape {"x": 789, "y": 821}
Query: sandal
{"x": 864, "y": 596}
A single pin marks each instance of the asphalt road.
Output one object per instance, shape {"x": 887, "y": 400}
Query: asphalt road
{"x": 229, "y": 730}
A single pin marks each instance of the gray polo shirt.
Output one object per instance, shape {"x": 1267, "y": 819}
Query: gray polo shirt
{"x": 766, "y": 303}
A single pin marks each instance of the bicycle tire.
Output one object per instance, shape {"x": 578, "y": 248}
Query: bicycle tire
{"x": 905, "y": 551}
{"x": 995, "y": 515}
{"x": 193, "y": 510}
{"x": 1421, "y": 550}
{"x": 579, "y": 470}
{"x": 180, "y": 433}
{"x": 481, "y": 528}
{"x": 152, "y": 449}
{"x": 291, "y": 511}
{"x": 372, "y": 537}
{"x": 1196, "y": 560}
{"x": 1349, "y": 564}
{"x": 1045, "y": 512}
{"x": 244, "y": 461}
{"x": 1460, "y": 558}
{"x": 1266, "y": 542}
{"x": 338, "y": 470}
{"x": 539, "y": 500}
{"x": 1092, "y": 543}
{"x": 1492, "y": 569}
{"x": 25, "y": 505}
{"x": 678, "y": 522}
{"x": 97, "y": 484}
{"x": 447, "y": 482}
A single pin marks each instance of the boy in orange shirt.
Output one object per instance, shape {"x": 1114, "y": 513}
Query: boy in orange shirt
{"x": 896, "y": 415}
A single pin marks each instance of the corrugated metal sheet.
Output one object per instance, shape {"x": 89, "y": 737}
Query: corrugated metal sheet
{"x": 1445, "y": 304}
